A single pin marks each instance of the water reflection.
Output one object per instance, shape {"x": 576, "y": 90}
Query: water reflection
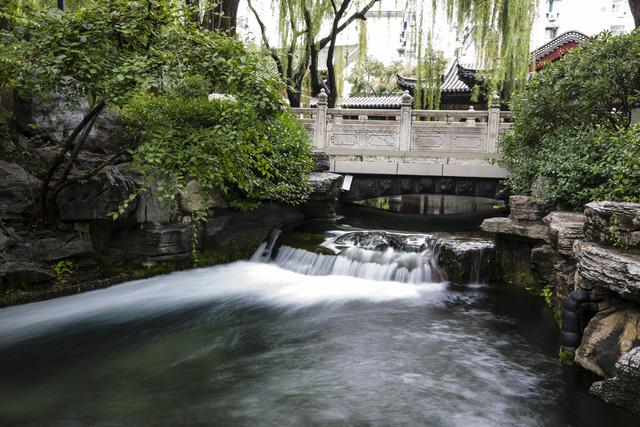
{"x": 433, "y": 204}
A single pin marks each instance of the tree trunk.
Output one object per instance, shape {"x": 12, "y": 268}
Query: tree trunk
{"x": 634, "y": 5}
{"x": 62, "y": 155}
{"x": 294, "y": 96}
{"x": 222, "y": 17}
{"x": 194, "y": 8}
{"x": 315, "y": 74}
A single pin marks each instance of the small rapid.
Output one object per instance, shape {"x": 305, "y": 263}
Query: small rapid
{"x": 374, "y": 256}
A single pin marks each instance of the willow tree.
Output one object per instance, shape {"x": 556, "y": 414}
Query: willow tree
{"x": 300, "y": 41}
{"x": 501, "y": 32}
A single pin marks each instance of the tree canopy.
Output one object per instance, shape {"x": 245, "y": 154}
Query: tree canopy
{"x": 136, "y": 55}
{"x": 572, "y": 139}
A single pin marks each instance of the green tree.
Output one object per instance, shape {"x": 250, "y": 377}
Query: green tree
{"x": 120, "y": 53}
{"x": 572, "y": 140}
{"x": 373, "y": 78}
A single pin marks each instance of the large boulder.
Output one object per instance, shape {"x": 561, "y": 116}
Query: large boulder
{"x": 509, "y": 227}
{"x": 23, "y": 272}
{"x": 526, "y": 208}
{"x": 153, "y": 242}
{"x": 609, "y": 269}
{"x": 18, "y": 192}
{"x": 623, "y": 389}
{"x": 565, "y": 228}
{"x": 611, "y": 333}
{"x": 58, "y": 116}
{"x": 54, "y": 246}
{"x": 613, "y": 223}
{"x": 94, "y": 199}
{"x": 241, "y": 228}
{"x": 468, "y": 260}
{"x": 151, "y": 209}
{"x": 543, "y": 261}
{"x": 325, "y": 193}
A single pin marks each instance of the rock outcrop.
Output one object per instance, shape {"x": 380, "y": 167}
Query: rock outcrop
{"x": 609, "y": 269}
{"x": 610, "y": 334}
{"x": 324, "y": 197}
{"x": 94, "y": 199}
{"x": 18, "y": 192}
{"x": 623, "y": 389}
{"x": 565, "y": 228}
{"x": 468, "y": 261}
{"x": 613, "y": 223}
{"x": 525, "y": 208}
{"x": 510, "y": 227}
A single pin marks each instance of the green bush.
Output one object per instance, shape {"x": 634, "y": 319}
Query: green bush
{"x": 572, "y": 140}
{"x": 223, "y": 144}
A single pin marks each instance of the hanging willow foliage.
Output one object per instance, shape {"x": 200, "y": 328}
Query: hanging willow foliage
{"x": 430, "y": 65}
{"x": 501, "y": 31}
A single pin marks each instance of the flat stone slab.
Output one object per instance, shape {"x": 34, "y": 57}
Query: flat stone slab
{"x": 509, "y": 227}
{"x": 609, "y": 269}
{"x": 613, "y": 224}
{"x": 565, "y": 228}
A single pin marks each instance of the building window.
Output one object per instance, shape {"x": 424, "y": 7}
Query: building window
{"x": 551, "y": 32}
{"x": 618, "y": 6}
{"x": 616, "y": 29}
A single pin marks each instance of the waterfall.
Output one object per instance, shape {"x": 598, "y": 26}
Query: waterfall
{"x": 387, "y": 265}
{"x": 267, "y": 250}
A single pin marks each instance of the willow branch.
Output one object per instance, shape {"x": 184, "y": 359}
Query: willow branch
{"x": 263, "y": 31}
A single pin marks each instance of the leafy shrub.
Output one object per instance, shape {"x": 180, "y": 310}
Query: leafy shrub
{"x": 62, "y": 270}
{"x": 572, "y": 139}
{"x": 223, "y": 144}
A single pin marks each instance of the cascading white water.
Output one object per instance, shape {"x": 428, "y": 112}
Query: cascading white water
{"x": 387, "y": 265}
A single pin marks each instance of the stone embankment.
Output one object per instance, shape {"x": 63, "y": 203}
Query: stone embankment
{"x": 148, "y": 237}
{"x": 588, "y": 267}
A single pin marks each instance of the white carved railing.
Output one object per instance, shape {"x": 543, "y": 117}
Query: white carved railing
{"x": 405, "y": 132}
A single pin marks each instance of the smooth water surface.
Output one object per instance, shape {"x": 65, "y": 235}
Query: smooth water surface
{"x": 250, "y": 344}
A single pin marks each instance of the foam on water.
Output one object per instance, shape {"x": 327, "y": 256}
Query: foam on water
{"x": 266, "y": 283}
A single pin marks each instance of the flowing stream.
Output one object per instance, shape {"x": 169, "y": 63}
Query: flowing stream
{"x": 373, "y": 335}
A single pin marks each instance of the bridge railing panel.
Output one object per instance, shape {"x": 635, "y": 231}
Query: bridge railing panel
{"x": 405, "y": 130}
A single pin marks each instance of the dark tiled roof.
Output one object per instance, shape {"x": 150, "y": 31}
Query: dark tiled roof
{"x": 390, "y": 101}
{"x": 558, "y": 42}
{"x": 451, "y": 81}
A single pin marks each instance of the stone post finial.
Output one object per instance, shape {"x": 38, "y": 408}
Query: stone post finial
{"x": 406, "y": 99}
{"x": 495, "y": 99}
{"x": 322, "y": 97}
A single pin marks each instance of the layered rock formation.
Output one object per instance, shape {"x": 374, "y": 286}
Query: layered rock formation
{"x": 622, "y": 390}
{"x": 591, "y": 263}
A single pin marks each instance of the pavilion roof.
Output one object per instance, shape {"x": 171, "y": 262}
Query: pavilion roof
{"x": 570, "y": 37}
{"x": 457, "y": 79}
